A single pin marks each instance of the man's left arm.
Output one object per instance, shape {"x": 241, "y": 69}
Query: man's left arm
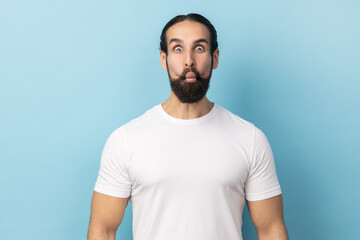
{"x": 267, "y": 216}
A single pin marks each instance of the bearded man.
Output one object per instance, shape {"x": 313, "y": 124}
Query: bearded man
{"x": 187, "y": 165}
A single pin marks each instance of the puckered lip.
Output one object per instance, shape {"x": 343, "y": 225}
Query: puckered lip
{"x": 190, "y": 75}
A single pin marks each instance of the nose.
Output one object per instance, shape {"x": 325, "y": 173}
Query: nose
{"x": 189, "y": 60}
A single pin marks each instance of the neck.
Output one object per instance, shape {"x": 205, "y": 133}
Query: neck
{"x": 177, "y": 109}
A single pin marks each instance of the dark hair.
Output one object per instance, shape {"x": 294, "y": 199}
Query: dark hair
{"x": 191, "y": 17}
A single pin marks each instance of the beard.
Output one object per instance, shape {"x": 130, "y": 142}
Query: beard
{"x": 189, "y": 92}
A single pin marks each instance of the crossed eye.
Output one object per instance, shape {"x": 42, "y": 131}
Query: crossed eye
{"x": 199, "y": 48}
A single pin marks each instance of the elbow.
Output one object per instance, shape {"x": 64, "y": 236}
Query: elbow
{"x": 97, "y": 232}
{"x": 276, "y": 231}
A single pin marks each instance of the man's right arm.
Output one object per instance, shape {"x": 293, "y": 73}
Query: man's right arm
{"x": 107, "y": 213}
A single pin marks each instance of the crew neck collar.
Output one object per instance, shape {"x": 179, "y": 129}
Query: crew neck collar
{"x": 187, "y": 121}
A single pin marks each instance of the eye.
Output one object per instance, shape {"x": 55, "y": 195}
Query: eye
{"x": 199, "y": 48}
{"x": 177, "y": 49}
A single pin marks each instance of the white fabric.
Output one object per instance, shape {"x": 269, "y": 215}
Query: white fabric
{"x": 188, "y": 178}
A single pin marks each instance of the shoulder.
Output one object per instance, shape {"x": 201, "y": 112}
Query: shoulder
{"x": 236, "y": 122}
{"x": 242, "y": 128}
{"x": 135, "y": 125}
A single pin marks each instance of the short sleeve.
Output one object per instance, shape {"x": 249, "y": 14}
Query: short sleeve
{"x": 113, "y": 178}
{"x": 262, "y": 180}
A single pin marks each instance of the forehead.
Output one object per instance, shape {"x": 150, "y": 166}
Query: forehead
{"x": 188, "y": 31}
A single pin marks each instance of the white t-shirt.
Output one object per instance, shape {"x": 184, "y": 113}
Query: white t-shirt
{"x": 188, "y": 178}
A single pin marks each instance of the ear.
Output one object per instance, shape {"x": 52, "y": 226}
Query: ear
{"x": 216, "y": 58}
{"x": 163, "y": 60}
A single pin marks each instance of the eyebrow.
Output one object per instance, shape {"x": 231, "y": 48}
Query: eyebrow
{"x": 196, "y": 42}
{"x": 175, "y": 40}
{"x": 201, "y": 41}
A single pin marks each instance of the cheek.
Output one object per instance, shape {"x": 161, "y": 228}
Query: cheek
{"x": 204, "y": 64}
{"x": 173, "y": 64}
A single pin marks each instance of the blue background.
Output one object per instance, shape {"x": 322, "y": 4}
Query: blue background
{"x": 73, "y": 71}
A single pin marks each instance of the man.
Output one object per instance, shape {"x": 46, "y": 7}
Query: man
{"x": 187, "y": 165}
